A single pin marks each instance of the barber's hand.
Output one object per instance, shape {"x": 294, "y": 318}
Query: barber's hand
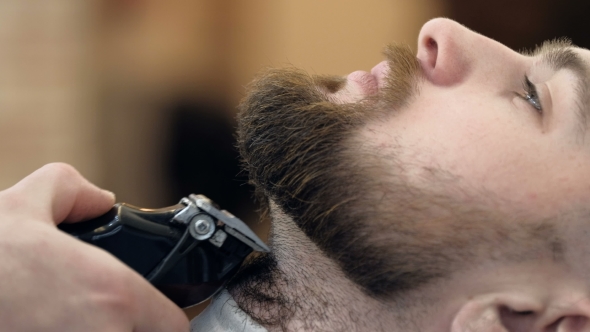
{"x": 49, "y": 281}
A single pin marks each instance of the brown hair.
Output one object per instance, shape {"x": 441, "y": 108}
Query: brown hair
{"x": 303, "y": 152}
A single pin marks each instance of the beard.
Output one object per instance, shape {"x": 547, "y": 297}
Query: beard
{"x": 305, "y": 154}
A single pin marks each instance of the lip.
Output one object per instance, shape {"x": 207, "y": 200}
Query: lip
{"x": 379, "y": 72}
{"x": 365, "y": 82}
{"x": 370, "y": 83}
{"x": 361, "y": 84}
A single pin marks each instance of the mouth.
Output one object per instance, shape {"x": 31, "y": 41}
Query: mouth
{"x": 361, "y": 84}
{"x": 379, "y": 72}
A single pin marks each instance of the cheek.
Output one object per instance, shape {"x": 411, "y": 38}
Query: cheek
{"x": 481, "y": 143}
{"x": 461, "y": 132}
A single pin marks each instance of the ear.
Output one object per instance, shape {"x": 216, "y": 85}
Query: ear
{"x": 496, "y": 313}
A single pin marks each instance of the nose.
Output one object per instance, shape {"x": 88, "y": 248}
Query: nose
{"x": 450, "y": 53}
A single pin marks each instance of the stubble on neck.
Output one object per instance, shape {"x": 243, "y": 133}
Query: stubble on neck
{"x": 298, "y": 288}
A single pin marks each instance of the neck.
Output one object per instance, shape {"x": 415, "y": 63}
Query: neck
{"x": 298, "y": 288}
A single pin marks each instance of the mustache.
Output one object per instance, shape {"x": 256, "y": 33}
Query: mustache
{"x": 401, "y": 81}
{"x": 300, "y": 151}
{"x": 403, "y": 78}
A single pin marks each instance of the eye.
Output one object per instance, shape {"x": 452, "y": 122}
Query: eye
{"x": 530, "y": 94}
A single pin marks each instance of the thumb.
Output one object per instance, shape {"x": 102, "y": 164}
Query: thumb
{"x": 58, "y": 192}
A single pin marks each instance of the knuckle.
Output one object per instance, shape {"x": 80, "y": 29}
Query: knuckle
{"x": 60, "y": 171}
{"x": 11, "y": 201}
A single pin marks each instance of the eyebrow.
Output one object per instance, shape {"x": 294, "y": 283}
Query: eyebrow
{"x": 559, "y": 54}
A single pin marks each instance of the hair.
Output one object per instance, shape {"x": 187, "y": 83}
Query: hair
{"x": 308, "y": 156}
{"x": 303, "y": 152}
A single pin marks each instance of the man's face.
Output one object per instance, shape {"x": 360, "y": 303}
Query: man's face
{"x": 478, "y": 118}
{"x": 427, "y": 166}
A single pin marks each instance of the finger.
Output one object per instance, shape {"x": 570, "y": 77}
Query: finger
{"x": 58, "y": 192}
{"x": 155, "y": 312}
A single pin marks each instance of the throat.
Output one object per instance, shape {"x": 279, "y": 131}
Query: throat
{"x": 298, "y": 288}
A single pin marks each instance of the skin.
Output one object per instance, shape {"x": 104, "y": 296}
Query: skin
{"x": 470, "y": 119}
{"x": 53, "y": 282}
{"x": 471, "y": 122}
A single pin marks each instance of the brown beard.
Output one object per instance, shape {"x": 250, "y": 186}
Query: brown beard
{"x": 293, "y": 139}
{"x": 298, "y": 151}
{"x": 304, "y": 153}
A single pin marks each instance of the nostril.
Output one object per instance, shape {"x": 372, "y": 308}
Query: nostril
{"x": 432, "y": 43}
{"x": 433, "y": 51}
{"x": 428, "y": 53}
{"x": 445, "y": 52}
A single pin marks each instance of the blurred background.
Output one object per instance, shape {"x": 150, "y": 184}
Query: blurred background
{"x": 140, "y": 95}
